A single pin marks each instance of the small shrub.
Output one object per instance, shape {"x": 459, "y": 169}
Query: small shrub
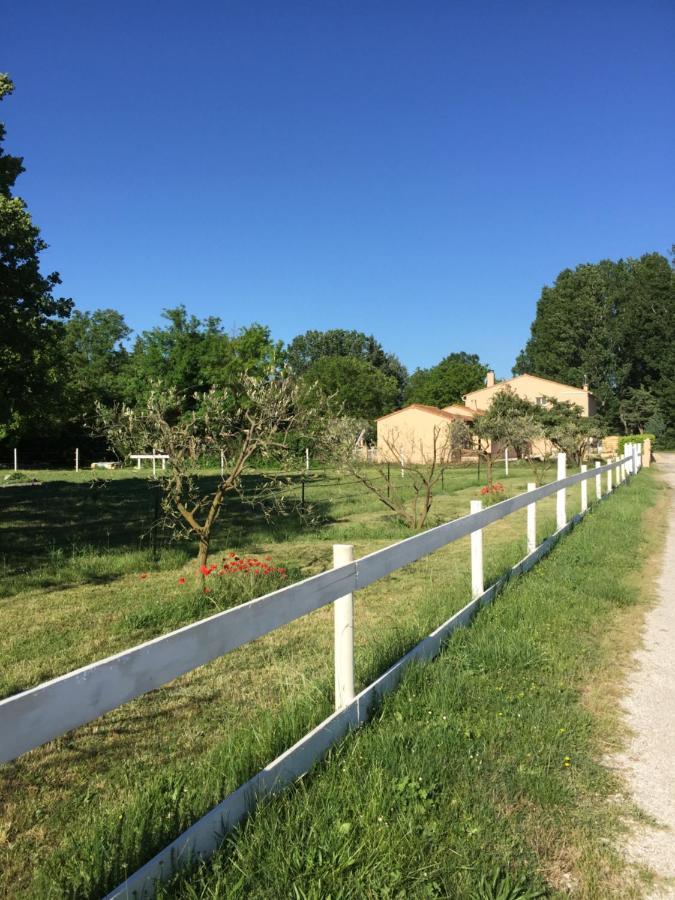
{"x": 15, "y": 478}
{"x": 634, "y": 439}
{"x": 492, "y": 493}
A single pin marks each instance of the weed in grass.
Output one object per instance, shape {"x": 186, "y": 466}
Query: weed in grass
{"x": 501, "y": 886}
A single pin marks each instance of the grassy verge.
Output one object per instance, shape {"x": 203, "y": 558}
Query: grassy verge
{"x": 482, "y": 776}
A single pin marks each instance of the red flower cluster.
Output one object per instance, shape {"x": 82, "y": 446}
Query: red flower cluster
{"x": 250, "y": 565}
{"x": 496, "y": 488}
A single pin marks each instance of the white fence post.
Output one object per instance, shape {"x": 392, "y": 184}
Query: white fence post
{"x": 77, "y": 459}
{"x": 222, "y": 463}
{"x": 531, "y": 522}
{"x": 477, "y": 586}
{"x": 598, "y": 482}
{"x": 154, "y": 463}
{"x": 584, "y": 490}
{"x": 306, "y": 459}
{"x": 628, "y": 453}
{"x": 609, "y": 481}
{"x": 506, "y": 462}
{"x": 343, "y": 620}
{"x": 561, "y": 496}
{"x": 16, "y": 460}
{"x": 636, "y": 458}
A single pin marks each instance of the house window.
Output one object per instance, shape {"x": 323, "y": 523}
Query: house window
{"x": 541, "y": 401}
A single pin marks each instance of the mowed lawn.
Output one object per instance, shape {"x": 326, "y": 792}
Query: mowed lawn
{"x": 82, "y": 577}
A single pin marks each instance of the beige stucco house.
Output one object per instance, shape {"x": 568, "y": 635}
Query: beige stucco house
{"x": 407, "y": 435}
{"x": 534, "y": 389}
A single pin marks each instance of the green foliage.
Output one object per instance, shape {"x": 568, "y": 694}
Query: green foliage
{"x": 612, "y": 324}
{"x": 510, "y": 421}
{"x": 358, "y": 387}
{"x": 251, "y": 419}
{"x": 447, "y": 381}
{"x": 189, "y": 356}
{"x": 636, "y": 408}
{"x": 307, "y": 349}
{"x": 567, "y": 429}
{"x": 95, "y": 361}
{"x": 657, "y": 426}
{"x": 635, "y": 439}
{"x": 31, "y": 317}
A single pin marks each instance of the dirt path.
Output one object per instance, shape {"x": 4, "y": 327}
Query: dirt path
{"x": 649, "y": 761}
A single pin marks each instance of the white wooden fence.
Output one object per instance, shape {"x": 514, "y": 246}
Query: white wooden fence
{"x": 49, "y": 710}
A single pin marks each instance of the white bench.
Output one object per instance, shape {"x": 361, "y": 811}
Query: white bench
{"x": 153, "y": 456}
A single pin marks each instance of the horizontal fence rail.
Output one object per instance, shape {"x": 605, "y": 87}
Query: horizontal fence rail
{"x": 40, "y": 714}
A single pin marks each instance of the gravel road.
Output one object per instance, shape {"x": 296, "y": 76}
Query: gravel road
{"x": 648, "y": 763}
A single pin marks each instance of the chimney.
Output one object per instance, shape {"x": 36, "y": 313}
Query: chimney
{"x": 490, "y": 379}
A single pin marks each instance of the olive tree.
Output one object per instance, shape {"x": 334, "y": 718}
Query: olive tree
{"x": 568, "y": 430}
{"x": 247, "y": 422}
{"x": 406, "y": 489}
{"x": 510, "y": 421}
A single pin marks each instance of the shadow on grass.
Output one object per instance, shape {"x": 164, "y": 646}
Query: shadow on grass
{"x": 68, "y": 533}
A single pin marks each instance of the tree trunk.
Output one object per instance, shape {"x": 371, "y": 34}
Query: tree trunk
{"x": 203, "y": 554}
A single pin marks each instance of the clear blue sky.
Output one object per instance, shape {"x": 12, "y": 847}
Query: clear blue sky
{"x": 418, "y": 170}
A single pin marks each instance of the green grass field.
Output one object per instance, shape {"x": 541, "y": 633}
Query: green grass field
{"x": 482, "y": 776}
{"x": 83, "y": 577}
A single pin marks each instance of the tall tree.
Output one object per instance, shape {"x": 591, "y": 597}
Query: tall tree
{"x": 447, "y": 381}
{"x": 362, "y": 390}
{"x": 95, "y": 361}
{"x": 189, "y": 355}
{"x": 306, "y": 349}
{"x": 611, "y": 324}
{"x": 31, "y": 317}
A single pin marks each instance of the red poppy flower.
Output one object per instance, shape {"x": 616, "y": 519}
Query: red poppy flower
{"x": 181, "y": 581}
{"x": 204, "y": 570}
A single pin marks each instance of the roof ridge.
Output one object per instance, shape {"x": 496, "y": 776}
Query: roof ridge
{"x": 529, "y": 375}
